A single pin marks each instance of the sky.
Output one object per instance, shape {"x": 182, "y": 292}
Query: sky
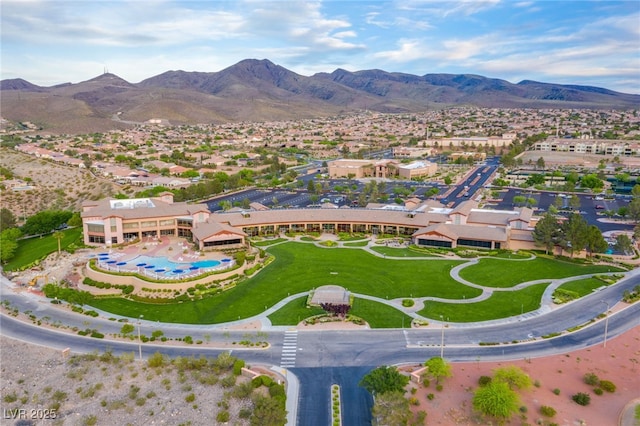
{"x": 588, "y": 42}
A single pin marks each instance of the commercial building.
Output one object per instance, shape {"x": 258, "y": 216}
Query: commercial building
{"x": 427, "y": 223}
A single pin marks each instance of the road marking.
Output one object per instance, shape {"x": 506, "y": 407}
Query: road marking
{"x": 289, "y": 349}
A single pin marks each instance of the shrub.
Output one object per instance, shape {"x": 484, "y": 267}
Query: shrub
{"x": 407, "y": 303}
{"x": 581, "y": 398}
{"x": 545, "y": 410}
{"x": 430, "y": 397}
{"x": 607, "y": 386}
{"x": 598, "y": 391}
{"x": 190, "y": 398}
{"x": 591, "y": 379}
{"x": 556, "y": 391}
{"x": 223, "y": 416}
{"x": 484, "y": 380}
{"x": 237, "y": 367}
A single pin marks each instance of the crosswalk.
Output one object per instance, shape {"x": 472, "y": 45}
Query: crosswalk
{"x": 289, "y": 349}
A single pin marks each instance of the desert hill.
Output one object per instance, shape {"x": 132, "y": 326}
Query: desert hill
{"x": 259, "y": 90}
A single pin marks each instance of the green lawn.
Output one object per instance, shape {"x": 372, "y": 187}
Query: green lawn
{"x": 583, "y": 287}
{"x": 503, "y": 273}
{"x": 501, "y": 304}
{"x": 377, "y": 315}
{"x": 357, "y": 244}
{"x": 301, "y": 267}
{"x": 398, "y": 252}
{"x": 266, "y": 243}
{"x": 32, "y": 249}
{"x": 294, "y": 312}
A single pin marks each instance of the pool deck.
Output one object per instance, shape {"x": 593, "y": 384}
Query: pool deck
{"x": 174, "y": 249}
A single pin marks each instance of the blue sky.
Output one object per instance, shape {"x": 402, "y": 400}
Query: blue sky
{"x": 594, "y": 43}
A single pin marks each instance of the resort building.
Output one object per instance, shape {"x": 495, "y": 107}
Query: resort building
{"x": 417, "y": 169}
{"x": 115, "y": 221}
{"x": 356, "y": 169}
{"x": 426, "y": 223}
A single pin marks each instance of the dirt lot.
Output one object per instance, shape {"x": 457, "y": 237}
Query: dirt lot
{"x": 56, "y": 186}
{"x": 618, "y": 363}
{"x": 103, "y": 390}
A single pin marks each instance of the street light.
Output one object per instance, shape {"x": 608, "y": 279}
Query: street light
{"x": 606, "y": 324}
{"x": 442, "y": 338}
{"x": 139, "y": 338}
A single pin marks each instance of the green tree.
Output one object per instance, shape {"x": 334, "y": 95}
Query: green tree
{"x": 540, "y": 164}
{"x": 497, "y": 400}
{"x": 634, "y": 209}
{"x": 595, "y": 241}
{"x": 592, "y": 182}
{"x": 519, "y": 200}
{"x": 437, "y": 368}
{"x": 311, "y": 186}
{"x": 624, "y": 244}
{"x": 9, "y": 243}
{"x": 574, "y": 202}
{"x": 546, "y": 232}
{"x": 268, "y": 412}
{"x": 391, "y": 409}
{"x": 574, "y": 234}
{"x": 7, "y": 219}
{"x": 512, "y": 376}
{"x": 384, "y": 379}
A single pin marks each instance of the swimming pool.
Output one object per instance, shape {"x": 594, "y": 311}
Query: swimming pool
{"x": 161, "y": 265}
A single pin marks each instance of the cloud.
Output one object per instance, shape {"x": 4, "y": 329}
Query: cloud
{"x": 444, "y": 9}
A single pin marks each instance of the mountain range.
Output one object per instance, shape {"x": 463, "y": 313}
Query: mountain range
{"x": 259, "y": 90}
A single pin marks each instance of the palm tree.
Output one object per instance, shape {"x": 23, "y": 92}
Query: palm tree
{"x": 58, "y": 236}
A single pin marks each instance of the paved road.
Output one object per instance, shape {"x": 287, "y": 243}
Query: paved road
{"x": 343, "y": 357}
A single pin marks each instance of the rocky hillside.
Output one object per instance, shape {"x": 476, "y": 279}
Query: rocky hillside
{"x": 259, "y": 90}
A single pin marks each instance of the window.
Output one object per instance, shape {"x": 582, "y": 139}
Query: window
{"x": 474, "y": 243}
{"x": 92, "y": 227}
{"x": 434, "y": 243}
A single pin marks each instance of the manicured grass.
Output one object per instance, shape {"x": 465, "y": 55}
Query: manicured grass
{"x": 356, "y": 244}
{"x": 501, "y": 304}
{"x": 343, "y": 237}
{"x": 294, "y": 312}
{"x": 301, "y": 267}
{"x": 503, "y": 273}
{"x": 266, "y": 243}
{"x": 32, "y": 249}
{"x": 583, "y": 287}
{"x": 398, "y": 252}
{"x": 379, "y": 315}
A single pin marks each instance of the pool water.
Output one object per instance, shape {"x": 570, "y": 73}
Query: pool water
{"x": 161, "y": 262}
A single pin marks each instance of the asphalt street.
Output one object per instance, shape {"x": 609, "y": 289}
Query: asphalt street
{"x": 343, "y": 357}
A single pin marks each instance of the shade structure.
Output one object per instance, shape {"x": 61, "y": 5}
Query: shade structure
{"x": 121, "y": 263}
{"x": 226, "y": 260}
{"x": 141, "y": 264}
{"x": 149, "y": 267}
{"x": 193, "y": 268}
{"x": 111, "y": 262}
{"x": 159, "y": 270}
{"x": 178, "y": 271}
